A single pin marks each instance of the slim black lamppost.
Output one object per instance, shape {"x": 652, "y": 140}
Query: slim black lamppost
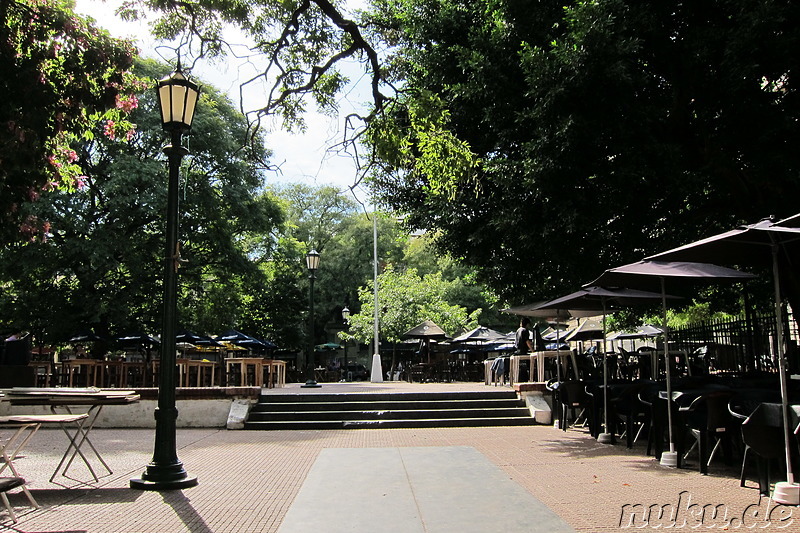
{"x": 346, "y": 320}
{"x": 177, "y": 98}
{"x": 312, "y": 262}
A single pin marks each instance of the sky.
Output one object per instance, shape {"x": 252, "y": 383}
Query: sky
{"x": 302, "y": 157}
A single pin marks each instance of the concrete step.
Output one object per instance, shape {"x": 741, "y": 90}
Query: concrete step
{"x": 359, "y": 405}
{"x": 393, "y": 396}
{"x": 388, "y": 410}
{"x": 398, "y": 414}
{"x": 375, "y": 424}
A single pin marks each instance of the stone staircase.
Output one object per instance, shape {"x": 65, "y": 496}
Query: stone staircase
{"x": 360, "y": 410}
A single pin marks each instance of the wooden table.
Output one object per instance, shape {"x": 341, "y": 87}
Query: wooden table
{"x": 277, "y": 373}
{"x": 243, "y": 363}
{"x": 64, "y": 399}
{"x": 538, "y": 359}
{"x": 44, "y": 370}
{"x": 201, "y": 367}
{"x": 93, "y": 369}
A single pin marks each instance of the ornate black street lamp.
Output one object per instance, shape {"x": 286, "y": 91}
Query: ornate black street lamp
{"x": 177, "y": 98}
{"x": 312, "y": 262}
{"x": 346, "y": 320}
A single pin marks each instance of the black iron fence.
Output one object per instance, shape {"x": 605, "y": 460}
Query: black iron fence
{"x": 741, "y": 344}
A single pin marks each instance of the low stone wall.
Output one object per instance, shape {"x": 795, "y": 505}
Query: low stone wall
{"x": 198, "y": 407}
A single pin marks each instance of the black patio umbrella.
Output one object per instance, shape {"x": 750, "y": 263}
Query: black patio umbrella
{"x": 137, "y": 339}
{"x": 241, "y": 339}
{"x": 426, "y": 331}
{"x": 653, "y": 274}
{"x": 205, "y": 340}
{"x": 555, "y": 334}
{"x": 586, "y": 331}
{"x": 765, "y": 242}
{"x": 85, "y": 336}
{"x": 481, "y": 334}
{"x": 188, "y": 336}
{"x": 233, "y": 336}
{"x": 536, "y": 310}
{"x": 644, "y": 331}
{"x": 594, "y": 297}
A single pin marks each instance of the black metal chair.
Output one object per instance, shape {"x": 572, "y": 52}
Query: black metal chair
{"x": 628, "y": 409}
{"x": 707, "y": 417}
{"x": 762, "y": 433}
{"x": 9, "y": 483}
{"x": 573, "y": 399}
{"x": 649, "y": 396}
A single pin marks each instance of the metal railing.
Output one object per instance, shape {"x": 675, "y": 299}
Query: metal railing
{"x": 742, "y": 344}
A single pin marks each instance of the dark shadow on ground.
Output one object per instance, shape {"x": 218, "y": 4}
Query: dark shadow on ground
{"x": 186, "y": 512}
{"x": 580, "y": 444}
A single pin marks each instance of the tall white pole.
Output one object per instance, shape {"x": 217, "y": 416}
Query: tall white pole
{"x": 376, "y": 376}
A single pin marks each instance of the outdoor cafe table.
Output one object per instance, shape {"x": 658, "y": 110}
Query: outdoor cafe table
{"x": 277, "y": 372}
{"x": 538, "y": 358}
{"x": 201, "y": 367}
{"x": 64, "y": 399}
{"x": 243, "y": 363}
{"x": 92, "y": 369}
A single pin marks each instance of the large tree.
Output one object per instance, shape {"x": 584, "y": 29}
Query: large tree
{"x": 545, "y": 143}
{"x": 406, "y": 299}
{"x": 61, "y": 76}
{"x": 97, "y": 265}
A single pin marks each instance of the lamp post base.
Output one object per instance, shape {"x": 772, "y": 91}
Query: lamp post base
{"x": 310, "y": 384}
{"x": 144, "y": 484}
{"x": 159, "y": 477}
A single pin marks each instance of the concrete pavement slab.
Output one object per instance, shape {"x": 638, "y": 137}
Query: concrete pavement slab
{"x": 407, "y": 490}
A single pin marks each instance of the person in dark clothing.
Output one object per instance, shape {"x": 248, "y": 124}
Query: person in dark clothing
{"x": 523, "y": 336}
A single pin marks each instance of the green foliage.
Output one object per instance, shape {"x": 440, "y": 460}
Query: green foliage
{"x": 597, "y": 132}
{"x": 406, "y": 299}
{"x": 62, "y": 77}
{"x": 99, "y": 265}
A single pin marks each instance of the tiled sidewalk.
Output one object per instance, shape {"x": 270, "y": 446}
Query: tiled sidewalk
{"x": 249, "y": 479}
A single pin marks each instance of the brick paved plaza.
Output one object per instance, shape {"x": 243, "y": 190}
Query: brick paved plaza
{"x": 249, "y": 479}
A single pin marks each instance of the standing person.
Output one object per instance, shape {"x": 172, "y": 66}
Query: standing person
{"x": 523, "y": 336}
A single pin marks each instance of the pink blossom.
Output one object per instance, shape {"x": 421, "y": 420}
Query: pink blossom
{"x": 109, "y": 130}
{"x": 127, "y": 103}
{"x": 80, "y": 182}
